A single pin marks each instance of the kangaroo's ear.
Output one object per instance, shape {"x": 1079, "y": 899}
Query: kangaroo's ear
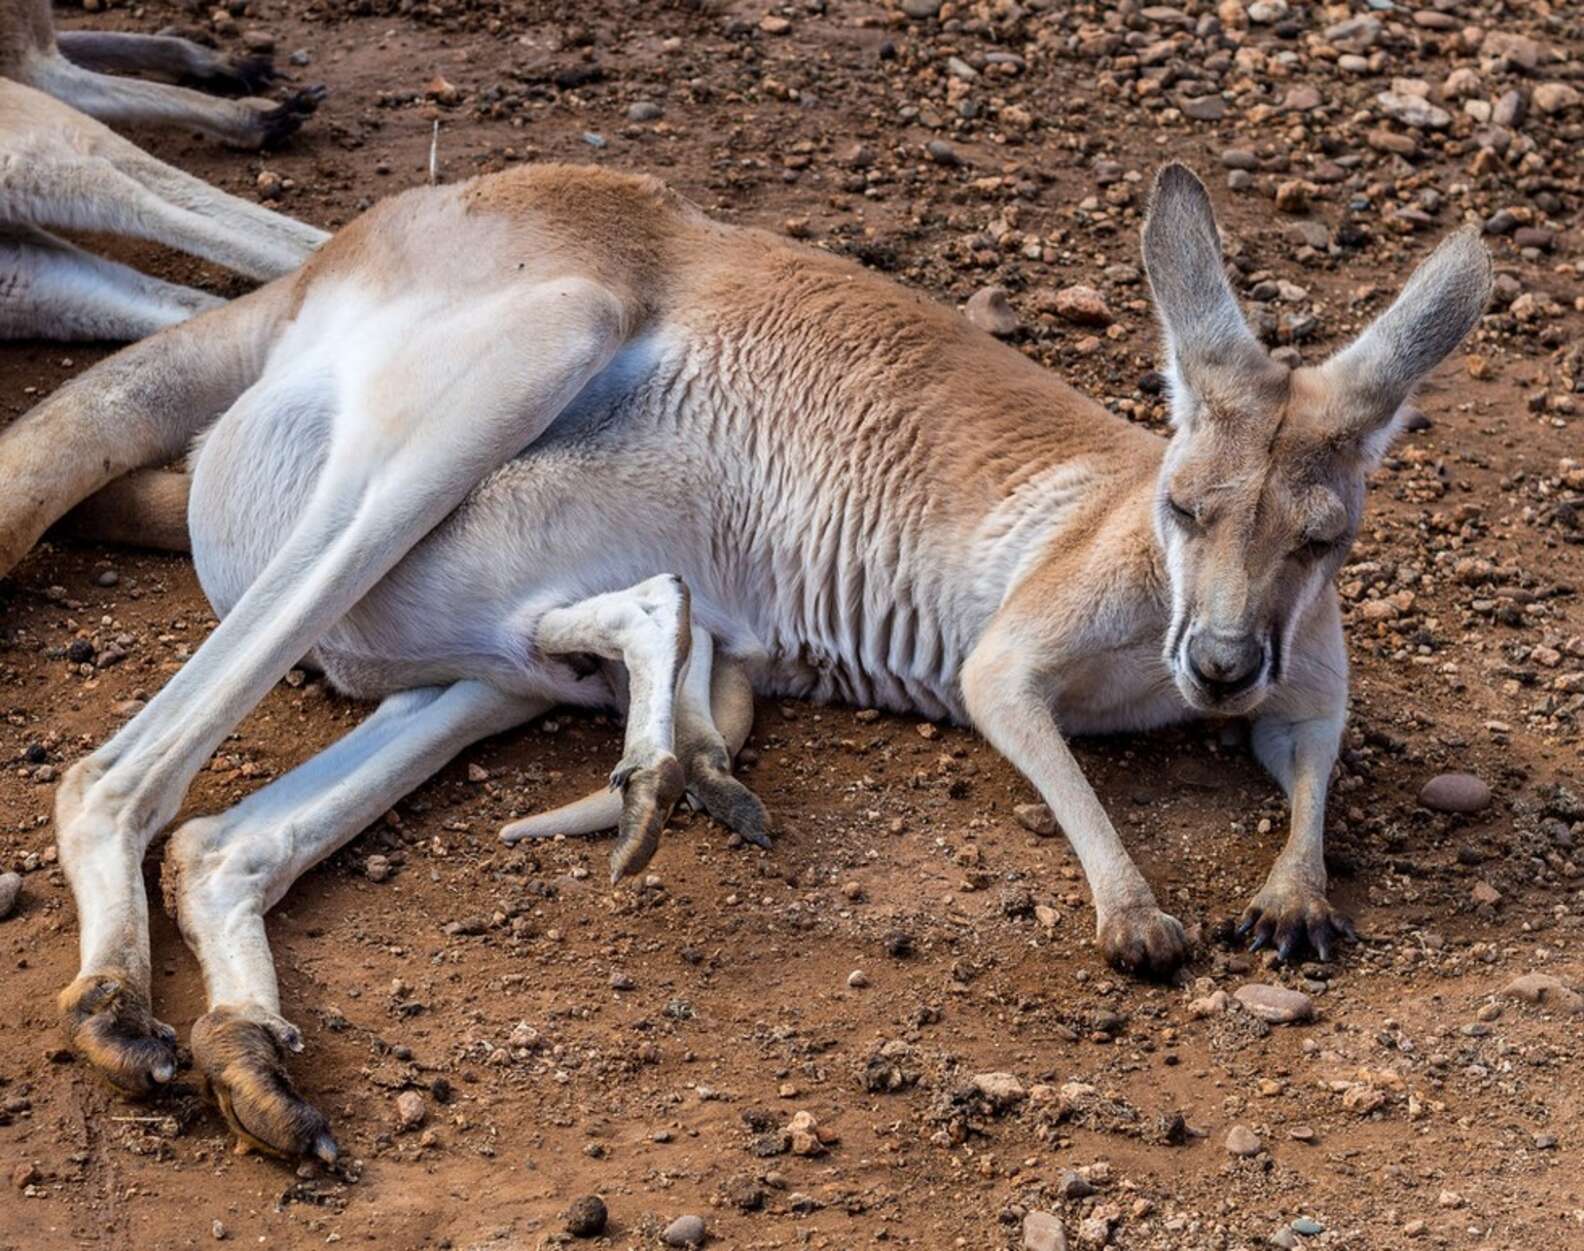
{"x": 1204, "y": 327}
{"x": 1374, "y": 376}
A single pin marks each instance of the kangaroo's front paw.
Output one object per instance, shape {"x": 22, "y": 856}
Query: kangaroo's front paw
{"x": 1294, "y": 919}
{"x": 107, "y": 1021}
{"x": 649, "y": 791}
{"x": 243, "y": 1062}
{"x": 1142, "y": 939}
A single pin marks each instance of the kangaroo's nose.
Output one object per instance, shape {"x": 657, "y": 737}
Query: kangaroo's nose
{"x": 1225, "y": 664}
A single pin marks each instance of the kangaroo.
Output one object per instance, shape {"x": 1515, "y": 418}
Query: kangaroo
{"x": 601, "y": 450}
{"x": 60, "y": 169}
{"x": 69, "y": 67}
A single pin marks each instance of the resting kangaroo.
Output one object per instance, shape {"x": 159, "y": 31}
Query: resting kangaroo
{"x": 600, "y": 450}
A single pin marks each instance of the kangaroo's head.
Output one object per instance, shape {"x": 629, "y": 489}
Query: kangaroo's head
{"x": 1262, "y": 486}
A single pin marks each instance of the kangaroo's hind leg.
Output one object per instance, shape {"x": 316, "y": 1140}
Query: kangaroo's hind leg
{"x": 223, "y": 873}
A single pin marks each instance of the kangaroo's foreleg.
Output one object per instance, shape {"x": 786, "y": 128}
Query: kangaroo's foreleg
{"x": 391, "y": 473}
{"x": 169, "y": 56}
{"x": 223, "y": 873}
{"x": 647, "y": 629}
{"x": 709, "y": 735}
{"x": 1297, "y": 740}
{"x": 52, "y": 289}
{"x": 714, "y": 716}
{"x": 1003, "y": 692}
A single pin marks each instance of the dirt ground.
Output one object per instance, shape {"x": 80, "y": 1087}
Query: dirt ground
{"x": 650, "y": 1043}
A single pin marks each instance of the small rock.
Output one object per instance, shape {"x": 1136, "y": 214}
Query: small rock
{"x": 441, "y": 91}
{"x": 1455, "y": 792}
{"x": 1485, "y": 893}
{"x": 857, "y": 979}
{"x": 685, "y": 1231}
{"x": 942, "y": 153}
{"x": 1555, "y": 97}
{"x": 586, "y": 1217}
{"x": 377, "y": 868}
{"x": 1003, "y": 1090}
{"x": 1293, "y": 195}
{"x": 1083, "y": 306}
{"x": 219, "y": 1232}
{"x": 10, "y": 892}
{"x": 919, "y": 10}
{"x": 411, "y": 1110}
{"x": 1242, "y": 1141}
{"x": 1276, "y": 1004}
{"x": 108, "y": 577}
{"x": 620, "y": 980}
{"x": 644, "y": 111}
{"x": 1413, "y": 110}
{"x": 1042, "y": 1231}
{"x": 1073, "y": 1186}
{"x": 1540, "y": 989}
{"x": 1308, "y": 1226}
{"x": 990, "y": 310}
{"x": 1037, "y": 818}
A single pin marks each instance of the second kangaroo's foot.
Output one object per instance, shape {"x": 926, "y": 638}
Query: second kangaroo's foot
{"x": 1141, "y": 939}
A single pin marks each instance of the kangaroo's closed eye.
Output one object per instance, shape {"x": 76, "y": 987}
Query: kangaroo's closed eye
{"x": 1182, "y": 515}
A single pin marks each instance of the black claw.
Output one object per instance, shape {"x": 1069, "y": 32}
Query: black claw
{"x": 1289, "y": 946}
{"x": 1245, "y": 925}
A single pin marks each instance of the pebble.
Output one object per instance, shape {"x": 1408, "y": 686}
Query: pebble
{"x": 1455, "y": 792}
{"x": 586, "y": 1217}
{"x": 685, "y": 1231}
{"x": 1083, "y": 306}
{"x": 1414, "y": 111}
{"x": 991, "y": 311}
{"x": 1001, "y": 1089}
{"x": 644, "y": 111}
{"x": 1242, "y": 1141}
{"x": 1276, "y": 1004}
{"x": 1037, "y": 818}
{"x": 857, "y": 979}
{"x": 10, "y": 892}
{"x": 1308, "y": 1226}
{"x": 1042, "y": 1231}
{"x": 377, "y": 868}
{"x": 411, "y": 1110}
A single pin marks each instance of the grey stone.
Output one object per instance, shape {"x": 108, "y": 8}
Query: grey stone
{"x": 1242, "y": 1141}
{"x": 1276, "y": 1004}
{"x": 685, "y": 1231}
{"x": 1042, "y": 1231}
{"x": 10, "y": 892}
{"x": 1455, "y": 792}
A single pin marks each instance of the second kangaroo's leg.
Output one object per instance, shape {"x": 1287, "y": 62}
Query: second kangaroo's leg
{"x": 248, "y": 123}
{"x": 51, "y": 289}
{"x": 142, "y": 406}
{"x": 223, "y": 873}
{"x": 647, "y": 629}
{"x": 170, "y": 56}
{"x": 511, "y": 362}
{"x": 145, "y": 508}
